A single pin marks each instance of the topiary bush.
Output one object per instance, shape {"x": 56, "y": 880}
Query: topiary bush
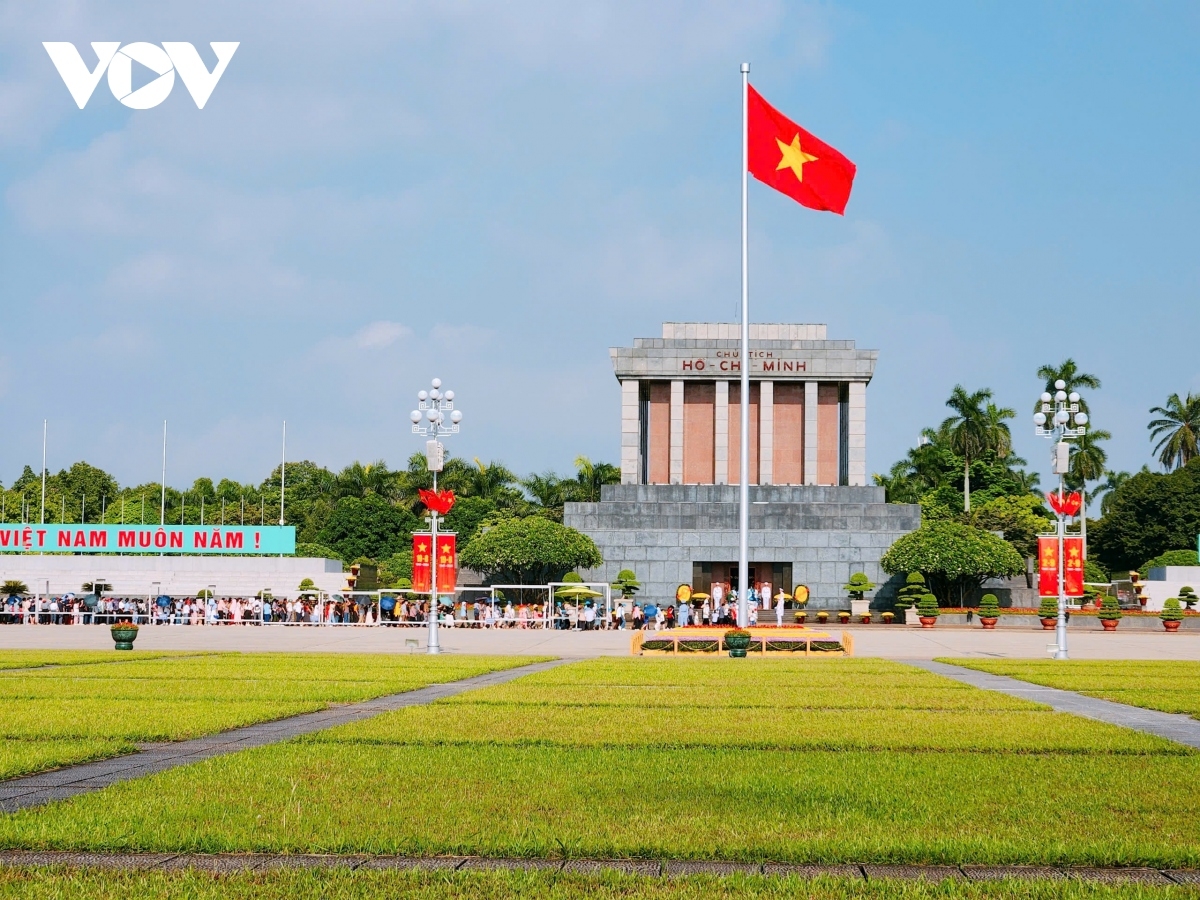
{"x": 927, "y": 606}
{"x": 989, "y": 607}
{"x": 858, "y": 585}
{"x": 914, "y": 589}
{"x": 1110, "y": 610}
{"x": 1188, "y": 596}
{"x": 1171, "y": 611}
{"x": 1048, "y": 608}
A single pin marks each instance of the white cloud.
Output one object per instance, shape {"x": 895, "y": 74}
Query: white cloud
{"x": 379, "y": 335}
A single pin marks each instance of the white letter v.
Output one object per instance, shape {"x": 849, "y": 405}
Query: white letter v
{"x": 196, "y": 77}
{"x": 79, "y": 81}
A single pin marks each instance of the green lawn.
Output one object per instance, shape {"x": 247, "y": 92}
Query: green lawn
{"x": 1169, "y": 686}
{"x": 533, "y": 769}
{"x": 343, "y": 884}
{"x": 27, "y": 659}
{"x": 79, "y": 708}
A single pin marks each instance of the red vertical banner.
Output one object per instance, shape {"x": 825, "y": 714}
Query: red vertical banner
{"x": 447, "y": 563}
{"x": 422, "y": 557}
{"x": 1048, "y": 566}
{"x": 1073, "y": 570}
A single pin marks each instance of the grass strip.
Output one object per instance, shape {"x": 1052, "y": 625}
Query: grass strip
{"x": 28, "y": 659}
{"x": 19, "y": 757}
{"x": 345, "y": 884}
{"x": 1171, "y": 686}
{"x": 811, "y": 807}
{"x": 784, "y": 729}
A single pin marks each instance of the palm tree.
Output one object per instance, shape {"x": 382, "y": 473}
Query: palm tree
{"x": 1087, "y": 464}
{"x": 975, "y": 429}
{"x": 1069, "y": 372}
{"x": 589, "y": 478}
{"x": 1177, "y": 430}
{"x": 1108, "y": 489}
{"x": 492, "y": 481}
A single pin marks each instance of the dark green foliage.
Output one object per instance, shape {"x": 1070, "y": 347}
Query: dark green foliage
{"x": 858, "y": 585}
{"x": 532, "y": 550}
{"x": 914, "y": 589}
{"x": 1171, "y": 611}
{"x": 989, "y": 606}
{"x": 1092, "y": 572}
{"x": 1170, "y": 558}
{"x": 370, "y": 527}
{"x": 627, "y": 584}
{"x": 928, "y": 606}
{"x": 955, "y": 559}
{"x": 1110, "y": 610}
{"x": 1048, "y": 608}
{"x": 1188, "y": 595}
{"x": 318, "y": 551}
{"x": 1148, "y": 514}
{"x": 466, "y": 515}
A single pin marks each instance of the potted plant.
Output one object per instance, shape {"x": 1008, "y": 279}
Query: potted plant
{"x": 801, "y": 615}
{"x": 1048, "y": 613}
{"x": 844, "y": 616}
{"x": 927, "y": 609}
{"x": 914, "y": 589}
{"x": 822, "y": 617}
{"x": 865, "y": 618}
{"x": 989, "y": 611}
{"x": 124, "y": 634}
{"x": 1188, "y": 596}
{"x": 1110, "y": 613}
{"x": 737, "y": 641}
{"x": 1172, "y": 614}
{"x": 857, "y": 587}
{"x": 888, "y": 617}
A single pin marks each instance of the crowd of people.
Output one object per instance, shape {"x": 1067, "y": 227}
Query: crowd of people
{"x": 323, "y": 609}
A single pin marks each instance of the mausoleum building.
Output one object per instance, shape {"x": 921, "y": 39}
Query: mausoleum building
{"x": 674, "y": 517}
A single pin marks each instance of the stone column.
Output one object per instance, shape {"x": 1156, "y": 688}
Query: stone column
{"x": 810, "y": 432}
{"x": 676, "y": 432}
{"x": 857, "y": 436}
{"x": 766, "y": 432}
{"x": 721, "y": 434}
{"x": 631, "y": 437}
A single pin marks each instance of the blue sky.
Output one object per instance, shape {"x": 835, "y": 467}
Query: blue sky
{"x": 496, "y": 193}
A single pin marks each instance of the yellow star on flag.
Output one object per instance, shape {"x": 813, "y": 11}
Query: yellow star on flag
{"x": 792, "y": 157}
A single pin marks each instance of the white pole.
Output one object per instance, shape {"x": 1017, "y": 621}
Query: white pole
{"x": 283, "y": 474}
{"x": 1060, "y": 626}
{"x": 43, "y": 471}
{"x": 431, "y": 643}
{"x": 162, "y": 512}
{"x": 743, "y": 610}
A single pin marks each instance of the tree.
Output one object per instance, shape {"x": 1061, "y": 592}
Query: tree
{"x": 1088, "y": 458}
{"x": 1021, "y": 519}
{"x": 14, "y": 588}
{"x": 974, "y": 429}
{"x": 529, "y": 550}
{"x": 589, "y": 477}
{"x": 627, "y": 583}
{"x": 1068, "y": 372}
{"x": 1112, "y": 481}
{"x": 467, "y": 514}
{"x": 370, "y": 527}
{"x": 955, "y": 559}
{"x": 1177, "y": 431}
{"x": 1148, "y": 514}
{"x": 493, "y": 482}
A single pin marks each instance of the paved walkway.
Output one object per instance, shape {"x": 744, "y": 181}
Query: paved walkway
{"x": 34, "y": 790}
{"x": 892, "y": 641}
{"x": 225, "y": 863}
{"x": 1174, "y": 727}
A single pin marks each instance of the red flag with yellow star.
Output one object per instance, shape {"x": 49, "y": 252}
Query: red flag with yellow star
{"x": 789, "y": 159}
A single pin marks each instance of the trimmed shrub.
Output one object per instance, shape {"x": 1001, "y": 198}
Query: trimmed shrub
{"x": 1188, "y": 596}
{"x": 1110, "y": 610}
{"x": 1171, "y": 611}
{"x": 1049, "y": 608}
{"x": 927, "y": 606}
{"x": 989, "y": 607}
{"x": 914, "y": 589}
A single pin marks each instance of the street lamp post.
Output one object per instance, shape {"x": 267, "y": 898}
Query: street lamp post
{"x": 434, "y": 417}
{"x": 1054, "y": 421}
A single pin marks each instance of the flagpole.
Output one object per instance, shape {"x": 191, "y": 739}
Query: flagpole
{"x": 743, "y": 611}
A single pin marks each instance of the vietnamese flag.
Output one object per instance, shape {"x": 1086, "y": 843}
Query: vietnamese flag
{"x": 786, "y": 157}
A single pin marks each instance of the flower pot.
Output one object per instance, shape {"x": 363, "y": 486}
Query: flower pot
{"x": 865, "y": 618}
{"x": 843, "y": 617}
{"x": 1171, "y": 625}
{"x": 737, "y": 645}
{"x": 1110, "y": 624}
{"x": 801, "y": 617}
{"x": 988, "y": 622}
{"x": 928, "y": 621}
{"x": 124, "y": 635}
{"x": 1049, "y": 624}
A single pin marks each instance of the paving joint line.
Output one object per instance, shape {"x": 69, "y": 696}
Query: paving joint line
{"x": 1181, "y": 729}
{"x": 59, "y": 784}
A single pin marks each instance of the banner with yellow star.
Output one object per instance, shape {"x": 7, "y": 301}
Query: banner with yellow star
{"x": 786, "y": 157}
